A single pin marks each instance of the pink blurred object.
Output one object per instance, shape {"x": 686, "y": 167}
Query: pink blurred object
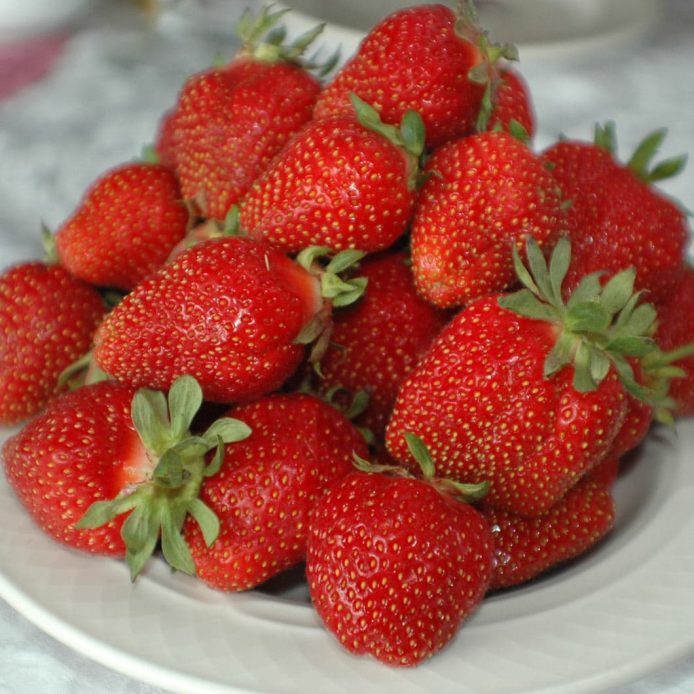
{"x": 28, "y": 60}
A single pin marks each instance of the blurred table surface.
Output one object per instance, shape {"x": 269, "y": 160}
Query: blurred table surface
{"x": 80, "y": 100}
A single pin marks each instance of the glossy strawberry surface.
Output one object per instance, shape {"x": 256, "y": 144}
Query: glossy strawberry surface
{"x": 230, "y": 122}
{"x": 227, "y": 312}
{"x": 83, "y": 448}
{"x": 487, "y": 193}
{"x": 47, "y": 319}
{"x": 125, "y": 227}
{"x": 394, "y": 566}
{"x": 268, "y": 484}
{"x": 414, "y": 59}
{"x": 480, "y": 401}
{"x": 336, "y": 184}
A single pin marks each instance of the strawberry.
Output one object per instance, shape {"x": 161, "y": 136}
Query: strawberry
{"x": 524, "y": 390}
{"x": 676, "y": 334}
{"x": 106, "y": 471}
{"x": 487, "y": 193}
{"x": 524, "y": 548}
{"x": 425, "y": 59}
{"x": 376, "y": 342}
{"x": 229, "y": 122}
{"x": 125, "y": 226}
{"x": 395, "y": 564}
{"x": 342, "y": 182}
{"x": 232, "y": 312}
{"x": 512, "y": 102}
{"x": 164, "y": 146}
{"x": 267, "y": 485}
{"x": 47, "y": 319}
{"x": 617, "y": 219}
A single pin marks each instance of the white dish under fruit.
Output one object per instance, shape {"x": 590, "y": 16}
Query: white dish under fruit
{"x": 623, "y": 610}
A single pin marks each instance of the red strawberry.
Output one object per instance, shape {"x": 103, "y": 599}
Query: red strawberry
{"x": 424, "y": 59}
{"x": 47, "y": 319}
{"x": 377, "y": 342}
{"x": 487, "y": 194}
{"x": 268, "y": 484}
{"x": 527, "y": 547}
{"x": 125, "y": 227}
{"x": 342, "y": 182}
{"x": 126, "y": 469}
{"x": 395, "y": 564}
{"x": 165, "y": 147}
{"x": 230, "y": 122}
{"x": 676, "y": 334}
{"x": 232, "y": 312}
{"x": 524, "y": 390}
{"x": 512, "y": 102}
{"x": 617, "y": 219}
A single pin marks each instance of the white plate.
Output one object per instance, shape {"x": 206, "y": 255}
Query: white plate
{"x": 625, "y": 609}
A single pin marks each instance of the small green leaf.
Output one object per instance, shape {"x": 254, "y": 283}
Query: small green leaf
{"x": 421, "y": 454}
{"x": 634, "y": 346}
{"x": 605, "y": 137}
{"x": 311, "y": 331}
{"x": 562, "y": 354}
{"x": 538, "y": 268}
{"x": 642, "y": 320}
{"x": 185, "y": 399}
{"x": 599, "y": 365}
{"x": 523, "y": 275}
{"x": 141, "y": 528}
{"x": 645, "y": 153}
{"x": 524, "y": 303}
{"x": 103, "y": 512}
{"x": 228, "y": 429}
{"x": 149, "y": 414}
{"x": 215, "y": 465}
{"x": 307, "y": 38}
{"x": 589, "y": 317}
{"x": 343, "y": 260}
{"x": 583, "y": 381}
{"x": 206, "y": 519}
{"x": 667, "y": 169}
{"x": 518, "y": 130}
{"x": 413, "y": 133}
{"x": 468, "y": 492}
{"x": 588, "y": 289}
{"x": 173, "y": 546}
{"x": 619, "y": 289}
{"x": 169, "y": 471}
{"x": 346, "y": 297}
{"x": 558, "y": 266}
{"x": 359, "y": 403}
{"x": 309, "y": 255}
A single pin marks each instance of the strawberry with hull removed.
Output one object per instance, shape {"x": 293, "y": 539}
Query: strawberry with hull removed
{"x": 267, "y": 485}
{"x": 232, "y": 312}
{"x": 47, "y": 320}
{"x": 527, "y": 391}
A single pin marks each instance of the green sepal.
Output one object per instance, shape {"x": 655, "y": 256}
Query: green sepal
{"x": 103, "y": 512}
{"x": 468, "y": 492}
{"x": 420, "y": 453}
{"x": 169, "y": 471}
{"x": 588, "y": 317}
{"x": 206, "y": 518}
{"x": 588, "y": 289}
{"x": 215, "y": 465}
{"x": 606, "y": 137}
{"x": 150, "y": 417}
{"x": 185, "y": 399}
{"x": 525, "y": 303}
{"x": 228, "y": 429}
{"x": 173, "y": 546}
{"x": 344, "y": 260}
{"x": 562, "y": 354}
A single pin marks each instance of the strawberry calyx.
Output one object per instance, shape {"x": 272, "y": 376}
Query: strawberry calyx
{"x": 640, "y": 163}
{"x": 264, "y": 39}
{"x": 409, "y": 137}
{"x": 658, "y": 370}
{"x": 336, "y": 290}
{"x": 485, "y": 72}
{"x": 160, "y": 504}
{"x": 599, "y": 327}
{"x": 467, "y": 493}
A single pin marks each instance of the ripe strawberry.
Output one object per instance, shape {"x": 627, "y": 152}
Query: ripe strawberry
{"x": 267, "y": 485}
{"x": 230, "y": 122}
{"x": 524, "y": 390}
{"x": 425, "y": 59}
{"x": 164, "y": 146}
{"x": 676, "y": 334}
{"x": 395, "y": 564}
{"x": 376, "y": 342}
{"x": 125, "y": 227}
{"x": 47, "y": 319}
{"x": 129, "y": 462}
{"x": 524, "y": 548}
{"x": 617, "y": 219}
{"x": 487, "y": 194}
{"x": 512, "y": 102}
{"x": 232, "y": 312}
{"x": 342, "y": 182}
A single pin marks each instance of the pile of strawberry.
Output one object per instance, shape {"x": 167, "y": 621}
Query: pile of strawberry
{"x": 360, "y": 325}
